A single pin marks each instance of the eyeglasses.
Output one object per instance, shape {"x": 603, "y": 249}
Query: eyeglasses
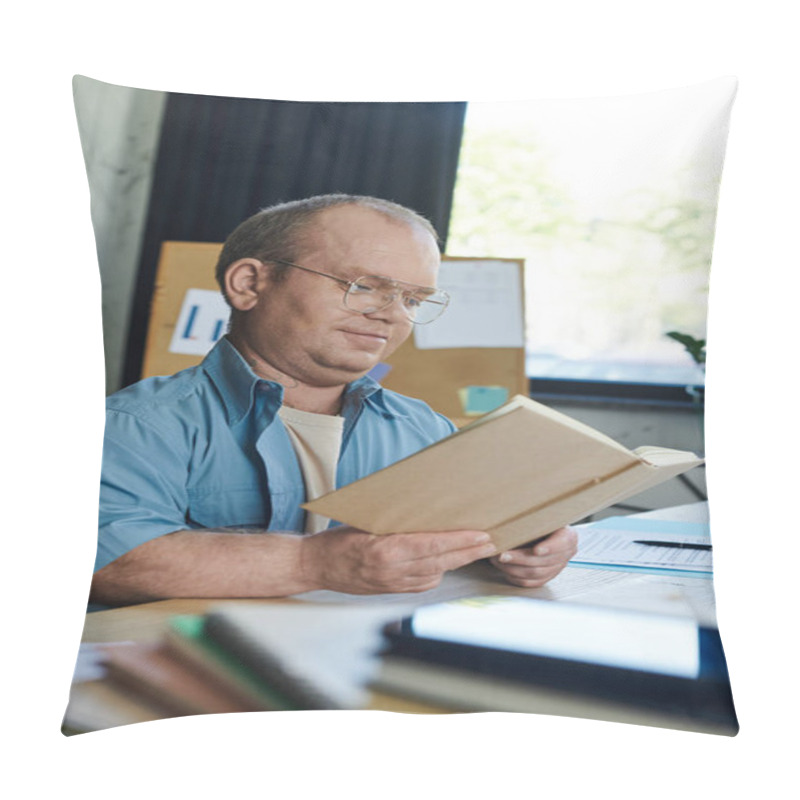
{"x": 372, "y": 293}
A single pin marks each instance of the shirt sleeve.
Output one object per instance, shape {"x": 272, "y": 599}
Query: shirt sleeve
{"x": 142, "y": 486}
{"x": 447, "y": 426}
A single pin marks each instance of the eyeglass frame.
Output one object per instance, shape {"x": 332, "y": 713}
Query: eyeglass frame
{"x": 394, "y": 283}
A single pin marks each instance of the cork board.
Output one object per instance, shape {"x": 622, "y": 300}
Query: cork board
{"x": 440, "y": 375}
{"x": 182, "y": 266}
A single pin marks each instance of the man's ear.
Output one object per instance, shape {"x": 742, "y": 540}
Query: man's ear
{"x": 244, "y": 280}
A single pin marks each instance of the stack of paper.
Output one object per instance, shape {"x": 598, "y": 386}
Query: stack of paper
{"x": 617, "y": 543}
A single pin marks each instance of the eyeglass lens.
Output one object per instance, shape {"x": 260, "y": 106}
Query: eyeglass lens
{"x": 370, "y": 294}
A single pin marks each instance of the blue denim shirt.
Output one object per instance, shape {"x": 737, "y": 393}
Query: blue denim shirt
{"x": 205, "y": 448}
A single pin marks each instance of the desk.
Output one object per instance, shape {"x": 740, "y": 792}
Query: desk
{"x": 94, "y": 705}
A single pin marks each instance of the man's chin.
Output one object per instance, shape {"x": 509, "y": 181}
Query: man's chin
{"x": 347, "y": 371}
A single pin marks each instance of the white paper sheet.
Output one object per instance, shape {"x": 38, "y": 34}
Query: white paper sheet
{"x": 485, "y": 307}
{"x": 612, "y": 547}
{"x": 202, "y": 321}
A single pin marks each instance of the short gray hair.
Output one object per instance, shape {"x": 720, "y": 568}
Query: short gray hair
{"x": 276, "y": 232}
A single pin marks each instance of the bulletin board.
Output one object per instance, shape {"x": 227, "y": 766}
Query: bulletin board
{"x": 461, "y": 382}
{"x": 188, "y": 315}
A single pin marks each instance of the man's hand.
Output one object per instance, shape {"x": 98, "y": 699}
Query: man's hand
{"x": 534, "y": 565}
{"x": 348, "y": 560}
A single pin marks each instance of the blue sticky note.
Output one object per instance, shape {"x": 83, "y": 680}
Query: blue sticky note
{"x": 482, "y": 399}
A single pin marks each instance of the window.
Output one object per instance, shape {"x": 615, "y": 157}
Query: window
{"x": 612, "y": 205}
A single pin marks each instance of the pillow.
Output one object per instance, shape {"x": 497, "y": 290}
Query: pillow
{"x": 616, "y": 192}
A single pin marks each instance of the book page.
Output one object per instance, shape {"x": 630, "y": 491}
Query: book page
{"x": 663, "y": 456}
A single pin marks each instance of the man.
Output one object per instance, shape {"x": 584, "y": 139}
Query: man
{"x": 280, "y": 410}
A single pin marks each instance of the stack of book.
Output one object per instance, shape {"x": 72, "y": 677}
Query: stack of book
{"x": 490, "y": 653}
{"x": 237, "y": 657}
{"x": 519, "y": 654}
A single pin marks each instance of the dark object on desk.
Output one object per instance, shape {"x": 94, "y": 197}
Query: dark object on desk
{"x": 681, "y": 545}
{"x": 507, "y": 653}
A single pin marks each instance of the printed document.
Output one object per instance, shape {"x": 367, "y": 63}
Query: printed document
{"x": 612, "y": 543}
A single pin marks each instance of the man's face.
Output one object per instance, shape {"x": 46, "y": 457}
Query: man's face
{"x": 300, "y": 325}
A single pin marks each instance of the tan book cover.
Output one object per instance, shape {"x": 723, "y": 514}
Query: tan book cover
{"x": 519, "y": 473}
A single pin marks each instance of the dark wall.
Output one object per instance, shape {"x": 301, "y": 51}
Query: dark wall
{"x": 220, "y": 160}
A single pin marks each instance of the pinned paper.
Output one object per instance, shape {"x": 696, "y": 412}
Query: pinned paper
{"x": 476, "y": 400}
{"x": 202, "y": 321}
{"x": 486, "y": 307}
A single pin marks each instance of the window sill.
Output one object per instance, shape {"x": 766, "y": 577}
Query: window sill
{"x": 613, "y": 392}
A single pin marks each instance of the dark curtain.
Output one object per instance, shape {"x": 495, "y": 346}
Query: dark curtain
{"x": 220, "y": 160}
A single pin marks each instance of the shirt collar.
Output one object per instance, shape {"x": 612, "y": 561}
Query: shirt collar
{"x": 238, "y": 384}
{"x": 369, "y": 391}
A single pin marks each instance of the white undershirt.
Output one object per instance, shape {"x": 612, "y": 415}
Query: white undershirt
{"x": 317, "y": 441}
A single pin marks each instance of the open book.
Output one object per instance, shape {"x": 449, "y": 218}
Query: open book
{"x": 519, "y": 473}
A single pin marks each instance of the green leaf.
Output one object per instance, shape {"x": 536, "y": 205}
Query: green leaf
{"x": 695, "y": 347}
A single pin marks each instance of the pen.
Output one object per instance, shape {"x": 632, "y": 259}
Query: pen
{"x": 684, "y": 545}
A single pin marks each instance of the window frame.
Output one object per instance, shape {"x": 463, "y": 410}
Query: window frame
{"x": 609, "y": 392}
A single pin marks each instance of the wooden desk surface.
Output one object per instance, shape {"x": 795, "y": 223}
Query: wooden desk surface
{"x": 692, "y": 597}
